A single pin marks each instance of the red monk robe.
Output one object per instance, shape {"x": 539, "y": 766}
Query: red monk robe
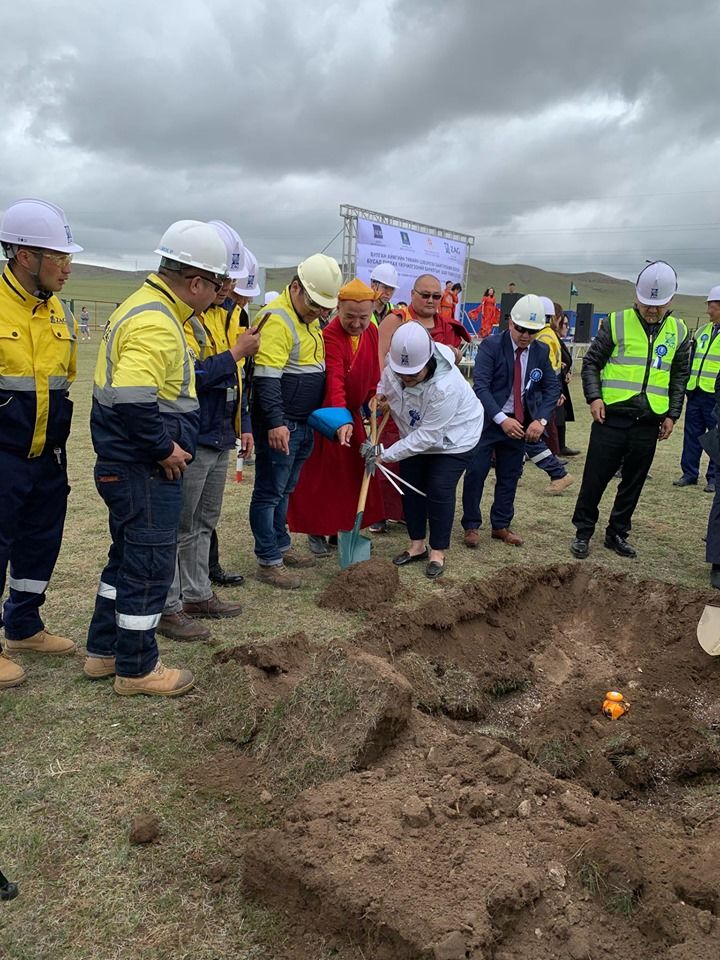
{"x": 326, "y": 496}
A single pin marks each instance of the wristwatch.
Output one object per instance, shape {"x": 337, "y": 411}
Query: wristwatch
{"x": 543, "y": 421}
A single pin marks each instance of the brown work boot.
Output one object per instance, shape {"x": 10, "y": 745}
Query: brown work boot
{"x": 179, "y": 626}
{"x": 508, "y": 537}
{"x": 98, "y": 667}
{"x": 557, "y": 486}
{"x": 11, "y": 673}
{"x": 161, "y": 682}
{"x": 291, "y": 558}
{"x": 42, "y": 642}
{"x": 471, "y": 538}
{"x": 278, "y": 576}
{"x": 212, "y": 609}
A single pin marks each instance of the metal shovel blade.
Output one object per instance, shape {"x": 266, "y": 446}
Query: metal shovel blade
{"x": 708, "y": 631}
{"x": 353, "y": 547}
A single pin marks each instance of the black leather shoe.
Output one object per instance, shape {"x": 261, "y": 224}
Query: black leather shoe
{"x": 619, "y": 545}
{"x": 402, "y": 558}
{"x": 709, "y": 487}
{"x": 569, "y": 452}
{"x": 434, "y": 570}
{"x": 580, "y": 548}
{"x": 221, "y": 578}
{"x": 715, "y": 576}
{"x": 685, "y": 482}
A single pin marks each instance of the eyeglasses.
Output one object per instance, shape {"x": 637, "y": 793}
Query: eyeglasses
{"x": 311, "y": 303}
{"x": 530, "y": 333}
{"x": 425, "y": 295}
{"x": 216, "y": 285}
{"x": 59, "y": 259}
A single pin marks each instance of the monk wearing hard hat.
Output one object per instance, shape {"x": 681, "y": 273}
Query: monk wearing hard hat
{"x": 325, "y": 499}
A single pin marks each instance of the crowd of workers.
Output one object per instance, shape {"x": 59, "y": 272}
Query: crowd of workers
{"x": 182, "y": 378}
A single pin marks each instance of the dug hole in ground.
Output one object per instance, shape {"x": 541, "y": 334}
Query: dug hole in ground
{"x": 445, "y": 786}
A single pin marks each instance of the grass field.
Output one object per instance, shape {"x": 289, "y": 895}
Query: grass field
{"x": 78, "y": 762}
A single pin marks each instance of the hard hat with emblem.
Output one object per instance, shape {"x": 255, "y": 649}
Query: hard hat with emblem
{"x": 714, "y": 294}
{"x": 36, "y": 223}
{"x": 656, "y": 284}
{"x": 321, "y": 277}
{"x": 529, "y": 312}
{"x": 386, "y": 274}
{"x": 234, "y": 248}
{"x": 410, "y": 348}
{"x": 249, "y": 287}
{"x": 192, "y": 243}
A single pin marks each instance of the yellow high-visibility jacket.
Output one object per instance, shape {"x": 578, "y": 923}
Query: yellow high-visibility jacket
{"x": 38, "y": 357}
{"x": 144, "y": 396}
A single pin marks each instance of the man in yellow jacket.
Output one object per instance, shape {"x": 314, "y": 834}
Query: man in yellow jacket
{"x": 38, "y": 345}
{"x": 144, "y": 426}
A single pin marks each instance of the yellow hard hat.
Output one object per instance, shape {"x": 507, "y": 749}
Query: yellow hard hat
{"x": 322, "y": 278}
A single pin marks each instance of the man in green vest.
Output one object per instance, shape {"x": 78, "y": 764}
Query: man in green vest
{"x": 700, "y": 409}
{"x": 634, "y": 377}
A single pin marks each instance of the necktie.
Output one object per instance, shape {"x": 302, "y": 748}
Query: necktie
{"x": 519, "y": 411}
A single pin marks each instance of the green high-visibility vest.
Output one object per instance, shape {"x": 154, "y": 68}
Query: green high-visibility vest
{"x": 706, "y": 359}
{"x": 640, "y": 363}
{"x": 374, "y": 318}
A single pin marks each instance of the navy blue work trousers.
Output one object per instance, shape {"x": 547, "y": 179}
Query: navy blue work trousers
{"x": 144, "y": 511}
{"x": 276, "y": 475}
{"x": 509, "y": 457}
{"x": 437, "y": 475}
{"x": 33, "y": 504}
{"x": 699, "y": 418}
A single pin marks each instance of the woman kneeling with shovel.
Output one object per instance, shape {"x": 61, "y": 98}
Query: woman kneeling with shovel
{"x": 440, "y": 421}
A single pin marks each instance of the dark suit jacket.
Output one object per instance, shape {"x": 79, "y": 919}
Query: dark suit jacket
{"x": 493, "y": 378}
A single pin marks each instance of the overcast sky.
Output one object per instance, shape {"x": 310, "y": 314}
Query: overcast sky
{"x": 571, "y": 136}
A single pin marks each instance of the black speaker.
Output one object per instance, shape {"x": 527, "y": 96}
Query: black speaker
{"x": 507, "y": 302}
{"x": 583, "y": 322}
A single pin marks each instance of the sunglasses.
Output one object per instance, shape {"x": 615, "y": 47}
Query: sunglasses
{"x": 530, "y": 333}
{"x": 424, "y": 295}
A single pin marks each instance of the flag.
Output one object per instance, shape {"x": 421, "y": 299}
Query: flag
{"x": 573, "y": 289}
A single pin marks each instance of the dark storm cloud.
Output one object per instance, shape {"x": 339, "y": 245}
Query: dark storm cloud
{"x": 577, "y": 135}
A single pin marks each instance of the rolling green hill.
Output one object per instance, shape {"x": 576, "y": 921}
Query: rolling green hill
{"x": 93, "y": 284}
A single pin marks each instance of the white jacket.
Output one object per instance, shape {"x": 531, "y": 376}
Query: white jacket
{"x": 440, "y": 415}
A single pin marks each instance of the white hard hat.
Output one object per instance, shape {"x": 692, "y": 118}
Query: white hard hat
{"x": 234, "y": 248}
{"x": 270, "y": 296}
{"x": 194, "y": 244}
{"x": 656, "y": 284}
{"x": 321, "y": 277}
{"x": 410, "y": 348}
{"x": 36, "y": 223}
{"x": 386, "y": 274}
{"x": 529, "y": 312}
{"x": 249, "y": 286}
{"x": 549, "y": 306}
{"x": 714, "y": 294}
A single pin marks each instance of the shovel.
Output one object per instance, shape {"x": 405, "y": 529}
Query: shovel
{"x": 708, "y": 631}
{"x": 353, "y": 547}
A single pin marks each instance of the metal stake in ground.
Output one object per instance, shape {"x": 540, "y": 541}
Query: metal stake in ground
{"x": 353, "y": 547}
{"x": 8, "y": 891}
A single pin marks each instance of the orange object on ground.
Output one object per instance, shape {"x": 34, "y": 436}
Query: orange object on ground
{"x": 615, "y": 705}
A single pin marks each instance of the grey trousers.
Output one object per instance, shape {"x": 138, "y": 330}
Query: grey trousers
{"x": 203, "y": 489}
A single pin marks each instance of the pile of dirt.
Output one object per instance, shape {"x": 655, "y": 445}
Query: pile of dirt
{"x": 363, "y": 586}
{"x": 504, "y": 817}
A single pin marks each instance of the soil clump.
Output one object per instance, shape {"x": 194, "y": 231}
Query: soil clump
{"x": 363, "y": 586}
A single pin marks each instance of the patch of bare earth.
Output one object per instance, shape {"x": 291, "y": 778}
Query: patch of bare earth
{"x": 445, "y": 787}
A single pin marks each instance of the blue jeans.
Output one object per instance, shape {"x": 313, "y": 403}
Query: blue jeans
{"x": 144, "y": 512}
{"x": 276, "y": 475}
{"x": 33, "y": 502}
